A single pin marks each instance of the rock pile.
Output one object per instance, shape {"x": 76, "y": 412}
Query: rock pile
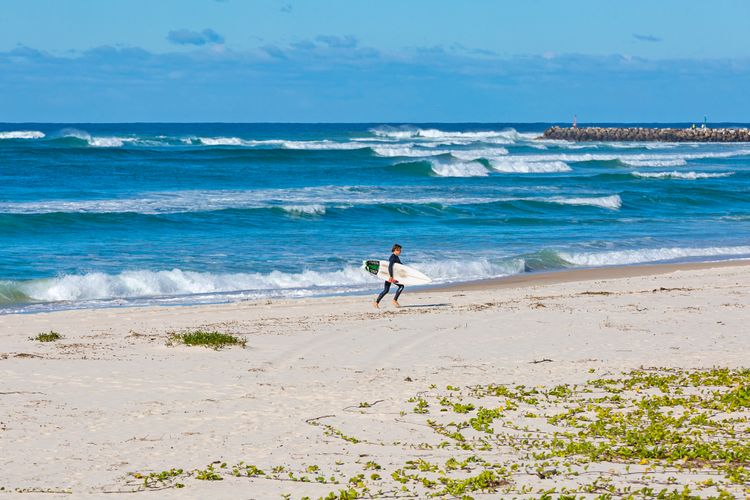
{"x": 649, "y": 134}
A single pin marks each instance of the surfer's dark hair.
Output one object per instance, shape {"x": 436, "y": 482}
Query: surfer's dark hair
{"x": 396, "y": 246}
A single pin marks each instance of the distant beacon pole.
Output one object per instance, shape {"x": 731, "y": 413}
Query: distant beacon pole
{"x": 575, "y": 121}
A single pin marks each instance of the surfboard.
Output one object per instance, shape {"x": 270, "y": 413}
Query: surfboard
{"x": 404, "y": 274}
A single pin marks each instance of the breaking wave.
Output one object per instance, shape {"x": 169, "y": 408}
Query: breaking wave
{"x": 168, "y": 286}
{"x": 176, "y": 282}
{"x": 303, "y": 200}
{"x": 459, "y": 169}
{"x": 22, "y": 134}
{"x": 644, "y": 159}
{"x": 406, "y": 151}
{"x": 622, "y": 257}
{"x": 475, "y": 154}
{"x": 93, "y": 141}
{"x": 224, "y": 141}
{"x": 508, "y": 136}
{"x": 520, "y": 166}
{"x": 681, "y": 175}
{"x": 324, "y": 145}
{"x": 410, "y": 151}
{"x": 655, "y": 163}
{"x": 613, "y": 202}
{"x": 304, "y": 209}
{"x": 285, "y": 144}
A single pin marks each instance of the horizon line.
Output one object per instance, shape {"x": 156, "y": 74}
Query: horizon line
{"x": 554, "y": 122}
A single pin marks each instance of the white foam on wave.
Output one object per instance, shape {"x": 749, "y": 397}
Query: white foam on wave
{"x": 682, "y": 175}
{"x": 408, "y": 150}
{"x": 655, "y": 163}
{"x": 106, "y": 142}
{"x": 519, "y": 166}
{"x": 176, "y": 282}
{"x": 640, "y": 145}
{"x": 644, "y": 159}
{"x": 168, "y": 285}
{"x": 324, "y": 145}
{"x": 405, "y": 151}
{"x": 97, "y": 141}
{"x": 459, "y": 169}
{"x": 613, "y": 202}
{"x": 142, "y": 283}
{"x": 450, "y": 142}
{"x": 622, "y": 257}
{"x": 235, "y": 141}
{"x": 22, "y": 134}
{"x": 283, "y": 143}
{"x": 507, "y": 136}
{"x": 443, "y": 271}
{"x": 304, "y": 209}
{"x": 475, "y": 154}
{"x": 221, "y": 141}
{"x": 167, "y": 202}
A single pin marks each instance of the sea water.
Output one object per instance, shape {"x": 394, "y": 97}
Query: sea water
{"x": 130, "y": 214}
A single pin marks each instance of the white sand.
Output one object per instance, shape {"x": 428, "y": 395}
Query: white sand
{"x": 112, "y": 397}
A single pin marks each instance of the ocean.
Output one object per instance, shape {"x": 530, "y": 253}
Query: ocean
{"x": 97, "y": 215}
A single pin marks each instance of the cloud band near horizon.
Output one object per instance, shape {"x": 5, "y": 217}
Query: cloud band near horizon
{"x": 336, "y": 79}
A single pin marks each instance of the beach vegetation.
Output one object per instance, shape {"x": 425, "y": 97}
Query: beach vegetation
{"x": 648, "y": 433}
{"x": 212, "y": 339}
{"x": 209, "y": 473}
{"x": 160, "y": 480}
{"x": 421, "y": 406}
{"x": 246, "y": 470}
{"x": 350, "y": 494}
{"x": 332, "y": 431}
{"x": 50, "y": 336}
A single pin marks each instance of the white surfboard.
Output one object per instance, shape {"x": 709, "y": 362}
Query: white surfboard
{"x": 404, "y": 274}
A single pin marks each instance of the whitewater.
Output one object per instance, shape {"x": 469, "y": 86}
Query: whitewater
{"x": 136, "y": 214}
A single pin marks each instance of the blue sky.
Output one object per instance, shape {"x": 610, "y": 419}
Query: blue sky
{"x": 401, "y": 61}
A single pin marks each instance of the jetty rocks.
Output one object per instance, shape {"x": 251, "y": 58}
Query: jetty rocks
{"x": 613, "y": 134}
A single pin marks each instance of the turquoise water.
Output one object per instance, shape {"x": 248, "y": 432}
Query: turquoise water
{"x": 99, "y": 215}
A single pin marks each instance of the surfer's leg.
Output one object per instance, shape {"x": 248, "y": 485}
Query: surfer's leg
{"x": 386, "y": 288}
{"x": 398, "y": 294}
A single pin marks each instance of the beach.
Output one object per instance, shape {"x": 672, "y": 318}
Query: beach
{"x": 331, "y": 395}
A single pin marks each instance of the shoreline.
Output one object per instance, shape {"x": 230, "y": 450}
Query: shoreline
{"x": 588, "y": 274}
{"x": 513, "y": 281}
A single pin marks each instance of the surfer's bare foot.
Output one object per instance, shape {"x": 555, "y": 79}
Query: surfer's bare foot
{"x": 396, "y": 304}
{"x": 376, "y": 305}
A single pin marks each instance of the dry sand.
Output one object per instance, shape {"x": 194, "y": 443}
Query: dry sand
{"x": 113, "y": 398}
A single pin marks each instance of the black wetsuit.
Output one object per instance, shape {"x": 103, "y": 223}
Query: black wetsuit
{"x": 386, "y": 288}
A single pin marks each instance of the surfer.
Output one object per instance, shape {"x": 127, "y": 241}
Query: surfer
{"x": 395, "y": 252}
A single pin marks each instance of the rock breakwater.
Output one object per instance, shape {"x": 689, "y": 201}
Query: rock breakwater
{"x": 584, "y": 134}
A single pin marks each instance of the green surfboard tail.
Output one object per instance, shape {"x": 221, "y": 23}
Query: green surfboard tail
{"x": 372, "y": 266}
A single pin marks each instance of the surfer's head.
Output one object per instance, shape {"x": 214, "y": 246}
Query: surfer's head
{"x": 396, "y": 249}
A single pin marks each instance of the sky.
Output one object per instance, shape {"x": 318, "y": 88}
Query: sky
{"x": 386, "y": 61}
